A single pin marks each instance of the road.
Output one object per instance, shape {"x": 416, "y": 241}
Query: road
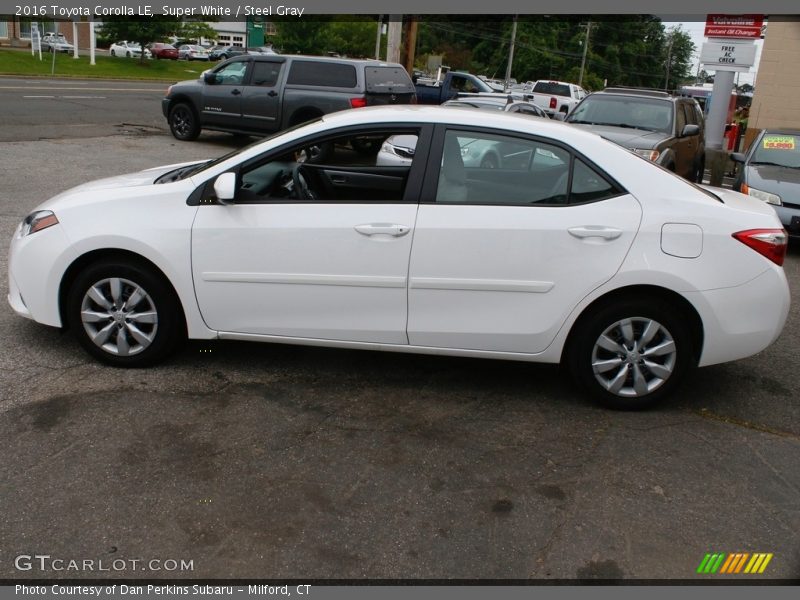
{"x": 50, "y": 108}
{"x": 271, "y": 461}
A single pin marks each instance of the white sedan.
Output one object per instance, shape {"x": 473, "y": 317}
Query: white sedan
{"x": 128, "y": 50}
{"x": 574, "y": 251}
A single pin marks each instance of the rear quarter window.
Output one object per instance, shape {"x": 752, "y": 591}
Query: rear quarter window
{"x": 388, "y": 80}
{"x": 322, "y": 74}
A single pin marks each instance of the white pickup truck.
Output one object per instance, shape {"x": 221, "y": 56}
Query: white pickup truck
{"x": 555, "y": 96}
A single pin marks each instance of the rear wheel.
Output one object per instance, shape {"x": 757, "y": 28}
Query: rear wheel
{"x": 183, "y": 122}
{"x": 124, "y": 314}
{"x": 631, "y": 354}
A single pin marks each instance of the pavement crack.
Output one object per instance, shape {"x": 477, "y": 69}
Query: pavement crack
{"x": 707, "y": 414}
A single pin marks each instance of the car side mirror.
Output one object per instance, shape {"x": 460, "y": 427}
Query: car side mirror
{"x": 737, "y": 157}
{"x": 690, "y": 129}
{"x": 209, "y": 77}
{"x": 225, "y": 188}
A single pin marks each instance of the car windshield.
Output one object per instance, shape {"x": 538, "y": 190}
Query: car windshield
{"x": 780, "y": 149}
{"x": 624, "y": 111}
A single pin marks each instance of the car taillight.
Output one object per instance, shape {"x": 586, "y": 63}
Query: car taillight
{"x": 553, "y": 102}
{"x": 771, "y": 243}
{"x": 358, "y": 102}
{"x": 744, "y": 188}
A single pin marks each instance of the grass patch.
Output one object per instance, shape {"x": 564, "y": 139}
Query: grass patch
{"x": 15, "y": 62}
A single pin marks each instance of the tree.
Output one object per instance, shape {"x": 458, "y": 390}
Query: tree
{"x": 143, "y": 32}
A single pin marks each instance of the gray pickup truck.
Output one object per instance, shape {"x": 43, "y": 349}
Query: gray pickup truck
{"x": 258, "y": 95}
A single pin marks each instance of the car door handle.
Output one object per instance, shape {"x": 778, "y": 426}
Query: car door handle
{"x": 595, "y": 231}
{"x": 236, "y": 92}
{"x": 382, "y": 229}
{"x": 272, "y": 93}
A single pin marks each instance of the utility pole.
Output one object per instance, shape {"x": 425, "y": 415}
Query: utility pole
{"x": 585, "y": 51}
{"x": 669, "y": 59}
{"x": 506, "y": 85}
{"x": 378, "y": 38}
{"x": 394, "y": 38}
{"x": 410, "y": 45}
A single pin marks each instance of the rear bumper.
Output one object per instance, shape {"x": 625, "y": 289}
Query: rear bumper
{"x": 743, "y": 320}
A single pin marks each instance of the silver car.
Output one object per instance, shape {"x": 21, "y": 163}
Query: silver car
{"x": 770, "y": 171}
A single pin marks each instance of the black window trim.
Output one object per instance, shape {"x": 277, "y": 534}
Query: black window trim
{"x": 428, "y": 195}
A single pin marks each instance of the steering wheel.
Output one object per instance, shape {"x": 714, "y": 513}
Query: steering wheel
{"x": 301, "y": 188}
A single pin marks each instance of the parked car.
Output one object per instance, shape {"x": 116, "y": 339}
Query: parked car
{"x": 225, "y": 52}
{"x": 450, "y": 85}
{"x": 129, "y": 50}
{"x": 256, "y": 95}
{"x": 770, "y": 171}
{"x": 505, "y": 103}
{"x": 628, "y": 274}
{"x": 193, "y": 52}
{"x": 559, "y": 96}
{"x": 161, "y": 50}
{"x": 668, "y": 130}
{"x": 56, "y": 42}
{"x": 260, "y": 50}
{"x": 485, "y": 153}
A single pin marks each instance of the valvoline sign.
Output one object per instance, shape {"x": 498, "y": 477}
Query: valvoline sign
{"x": 734, "y": 26}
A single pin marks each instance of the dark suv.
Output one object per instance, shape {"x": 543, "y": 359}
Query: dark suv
{"x": 665, "y": 129}
{"x": 260, "y": 94}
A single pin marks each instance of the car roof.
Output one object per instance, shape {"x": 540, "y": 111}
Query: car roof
{"x": 330, "y": 59}
{"x": 415, "y": 113}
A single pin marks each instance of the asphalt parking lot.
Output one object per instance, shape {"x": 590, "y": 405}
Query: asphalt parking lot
{"x": 288, "y": 462}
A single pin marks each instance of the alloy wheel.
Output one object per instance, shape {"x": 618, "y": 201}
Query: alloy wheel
{"x": 634, "y": 357}
{"x": 119, "y": 316}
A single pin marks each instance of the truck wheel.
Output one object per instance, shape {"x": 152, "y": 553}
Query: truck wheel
{"x": 183, "y": 122}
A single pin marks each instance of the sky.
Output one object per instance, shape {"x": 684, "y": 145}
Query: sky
{"x": 695, "y": 29}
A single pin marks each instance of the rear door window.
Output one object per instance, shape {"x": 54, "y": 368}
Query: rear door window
{"x": 322, "y": 73}
{"x": 265, "y": 73}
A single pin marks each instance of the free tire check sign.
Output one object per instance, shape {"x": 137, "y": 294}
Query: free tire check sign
{"x": 731, "y": 45}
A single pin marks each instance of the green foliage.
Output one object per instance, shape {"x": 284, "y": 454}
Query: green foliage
{"x": 629, "y": 50}
{"x": 143, "y": 32}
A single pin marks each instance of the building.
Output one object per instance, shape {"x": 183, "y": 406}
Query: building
{"x": 776, "y": 99}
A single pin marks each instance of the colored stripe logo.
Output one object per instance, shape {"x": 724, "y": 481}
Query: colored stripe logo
{"x": 735, "y": 563}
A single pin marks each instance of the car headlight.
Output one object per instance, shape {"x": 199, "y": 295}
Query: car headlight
{"x": 651, "y": 155}
{"x": 36, "y": 221}
{"x": 763, "y": 196}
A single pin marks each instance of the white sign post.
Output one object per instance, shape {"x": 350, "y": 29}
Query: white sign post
{"x": 36, "y": 40}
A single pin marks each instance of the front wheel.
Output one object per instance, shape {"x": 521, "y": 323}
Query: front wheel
{"x": 124, "y": 314}
{"x": 113, "y": 53}
{"x": 631, "y": 354}
{"x": 183, "y": 122}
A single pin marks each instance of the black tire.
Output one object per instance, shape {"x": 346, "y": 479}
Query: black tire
{"x": 223, "y": 57}
{"x": 183, "y": 122}
{"x": 490, "y": 162}
{"x": 367, "y": 147}
{"x": 113, "y": 53}
{"x": 700, "y": 172}
{"x": 668, "y": 370}
{"x": 128, "y": 342}
{"x": 128, "y": 54}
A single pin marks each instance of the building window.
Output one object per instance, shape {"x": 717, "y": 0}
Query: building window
{"x": 269, "y": 28}
{"x": 3, "y": 29}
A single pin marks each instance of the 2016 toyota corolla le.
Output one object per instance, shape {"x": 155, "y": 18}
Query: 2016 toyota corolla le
{"x": 569, "y": 249}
